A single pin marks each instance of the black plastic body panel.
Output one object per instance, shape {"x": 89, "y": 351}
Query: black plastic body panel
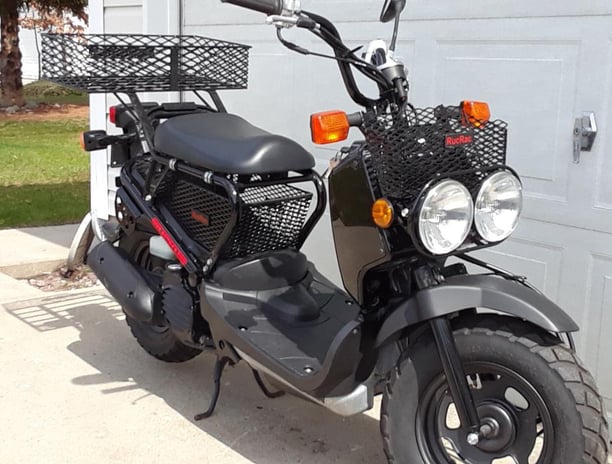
{"x": 477, "y": 291}
{"x": 360, "y": 245}
{"x": 125, "y": 282}
{"x": 318, "y": 355}
{"x": 262, "y": 272}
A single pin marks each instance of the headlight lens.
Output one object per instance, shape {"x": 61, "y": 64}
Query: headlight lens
{"x": 498, "y": 206}
{"x": 446, "y": 217}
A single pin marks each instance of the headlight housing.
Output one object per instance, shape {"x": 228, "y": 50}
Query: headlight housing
{"x": 446, "y": 217}
{"x": 498, "y": 206}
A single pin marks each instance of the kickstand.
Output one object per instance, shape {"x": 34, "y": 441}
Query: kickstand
{"x": 219, "y": 366}
{"x": 264, "y": 389}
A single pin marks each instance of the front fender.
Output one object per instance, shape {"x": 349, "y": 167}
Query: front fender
{"x": 477, "y": 291}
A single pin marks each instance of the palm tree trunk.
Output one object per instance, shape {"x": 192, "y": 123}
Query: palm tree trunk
{"x": 10, "y": 56}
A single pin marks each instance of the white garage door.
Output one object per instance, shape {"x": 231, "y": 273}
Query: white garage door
{"x": 539, "y": 64}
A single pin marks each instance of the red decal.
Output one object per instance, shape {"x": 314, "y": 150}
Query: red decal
{"x": 200, "y": 217}
{"x": 457, "y": 140}
{"x": 161, "y": 230}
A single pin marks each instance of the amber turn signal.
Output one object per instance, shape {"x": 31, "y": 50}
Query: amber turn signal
{"x": 82, "y": 141}
{"x": 329, "y": 127}
{"x": 382, "y": 213}
{"x": 475, "y": 114}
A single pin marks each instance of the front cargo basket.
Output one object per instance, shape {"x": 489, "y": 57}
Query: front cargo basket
{"x": 408, "y": 150}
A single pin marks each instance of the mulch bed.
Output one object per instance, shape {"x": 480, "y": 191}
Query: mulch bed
{"x": 58, "y": 280}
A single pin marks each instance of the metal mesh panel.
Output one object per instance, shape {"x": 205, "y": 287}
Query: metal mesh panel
{"x": 191, "y": 205}
{"x": 407, "y": 151}
{"x": 272, "y": 218}
{"x": 140, "y": 63}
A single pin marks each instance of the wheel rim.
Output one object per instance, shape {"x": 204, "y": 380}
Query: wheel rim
{"x": 519, "y": 419}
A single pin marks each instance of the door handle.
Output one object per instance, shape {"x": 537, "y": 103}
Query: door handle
{"x": 585, "y": 132}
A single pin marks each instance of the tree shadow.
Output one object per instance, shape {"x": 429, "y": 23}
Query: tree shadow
{"x": 293, "y": 430}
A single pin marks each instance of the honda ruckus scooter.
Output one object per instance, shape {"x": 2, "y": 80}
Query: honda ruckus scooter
{"x": 211, "y": 212}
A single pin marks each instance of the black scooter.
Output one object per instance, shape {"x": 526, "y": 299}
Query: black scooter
{"x": 211, "y": 213}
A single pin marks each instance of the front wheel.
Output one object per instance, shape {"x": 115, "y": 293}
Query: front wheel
{"x": 541, "y": 404}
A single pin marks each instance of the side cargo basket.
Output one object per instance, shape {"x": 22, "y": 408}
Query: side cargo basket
{"x": 272, "y": 214}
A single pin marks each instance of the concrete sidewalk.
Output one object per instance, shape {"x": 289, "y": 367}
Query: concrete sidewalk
{"x": 28, "y": 252}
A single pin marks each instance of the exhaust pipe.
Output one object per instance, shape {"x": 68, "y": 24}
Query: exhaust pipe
{"x": 125, "y": 282}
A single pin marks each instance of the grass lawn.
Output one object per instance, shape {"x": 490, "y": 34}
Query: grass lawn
{"x": 44, "y": 174}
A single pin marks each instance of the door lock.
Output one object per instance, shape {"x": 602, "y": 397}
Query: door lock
{"x": 585, "y": 132}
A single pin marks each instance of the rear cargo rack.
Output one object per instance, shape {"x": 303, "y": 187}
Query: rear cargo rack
{"x": 107, "y": 63}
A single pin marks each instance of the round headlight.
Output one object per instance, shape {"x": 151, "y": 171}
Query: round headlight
{"x": 498, "y": 206}
{"x": 446, "y": 217}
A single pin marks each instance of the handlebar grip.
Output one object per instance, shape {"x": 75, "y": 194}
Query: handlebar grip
{"x": 269, "y": 7}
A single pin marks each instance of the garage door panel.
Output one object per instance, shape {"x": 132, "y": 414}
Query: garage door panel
{"x": 369, "y": 10}
{"x": 530, "y": 85}
{"x": 599, "y": 302}
{"x": 603, "y": 172}
{"x": 541, "y": 262}
{"x": 465, "y": 9}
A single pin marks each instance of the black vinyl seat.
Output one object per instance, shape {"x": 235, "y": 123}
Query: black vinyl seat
{"x": 227, "y": 143}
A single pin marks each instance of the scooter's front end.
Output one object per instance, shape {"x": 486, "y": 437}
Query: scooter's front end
{"x": 473, "y": 367}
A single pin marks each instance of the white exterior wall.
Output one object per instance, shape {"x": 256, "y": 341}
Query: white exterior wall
{"x": 29, "y": 53}
{"x": 539, "y": 64}
{"x": 122, "y": 17}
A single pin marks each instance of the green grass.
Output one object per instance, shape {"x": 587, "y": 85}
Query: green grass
{"x": 48, "y": 92}
{"x": 43, "y": 204}
{"x": 42, "y": 152}
{"x": 44, "y": 173}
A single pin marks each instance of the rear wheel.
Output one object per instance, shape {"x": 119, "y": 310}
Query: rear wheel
{"x": 157, "y": 340}
{"x": 541, "y": 404}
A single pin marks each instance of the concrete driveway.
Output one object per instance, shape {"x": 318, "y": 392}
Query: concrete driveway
{"x": 76, "y": 388}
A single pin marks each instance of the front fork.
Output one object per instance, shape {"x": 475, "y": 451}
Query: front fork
{"x": 456, "y": 378}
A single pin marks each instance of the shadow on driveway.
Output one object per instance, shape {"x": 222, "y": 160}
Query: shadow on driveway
{"x": 292, "y": 430}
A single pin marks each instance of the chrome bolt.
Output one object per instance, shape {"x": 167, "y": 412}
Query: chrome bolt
{"x": 308, "y": 370}
{"x": 148, "y": 198}
{"x": 405, "y": 213}
{"x": 473, "y": 439}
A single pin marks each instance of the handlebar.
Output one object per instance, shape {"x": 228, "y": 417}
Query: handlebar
{"x": 286, "y": 13}
{"x": 269, "y": 7}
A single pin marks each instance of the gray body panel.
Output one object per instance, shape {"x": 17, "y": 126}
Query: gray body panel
{"x": 477, "y": 291}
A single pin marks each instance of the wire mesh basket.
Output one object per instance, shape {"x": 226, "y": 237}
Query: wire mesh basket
{"x": 272, "y": 217}
{"x": 103, "y": 63}
{"x": 408, "y": 150}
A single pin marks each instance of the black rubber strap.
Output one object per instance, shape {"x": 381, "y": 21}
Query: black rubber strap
{"x": 269, "y": 7}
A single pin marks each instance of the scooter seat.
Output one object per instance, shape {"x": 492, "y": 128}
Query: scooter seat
{"x": 227, "y": 143}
